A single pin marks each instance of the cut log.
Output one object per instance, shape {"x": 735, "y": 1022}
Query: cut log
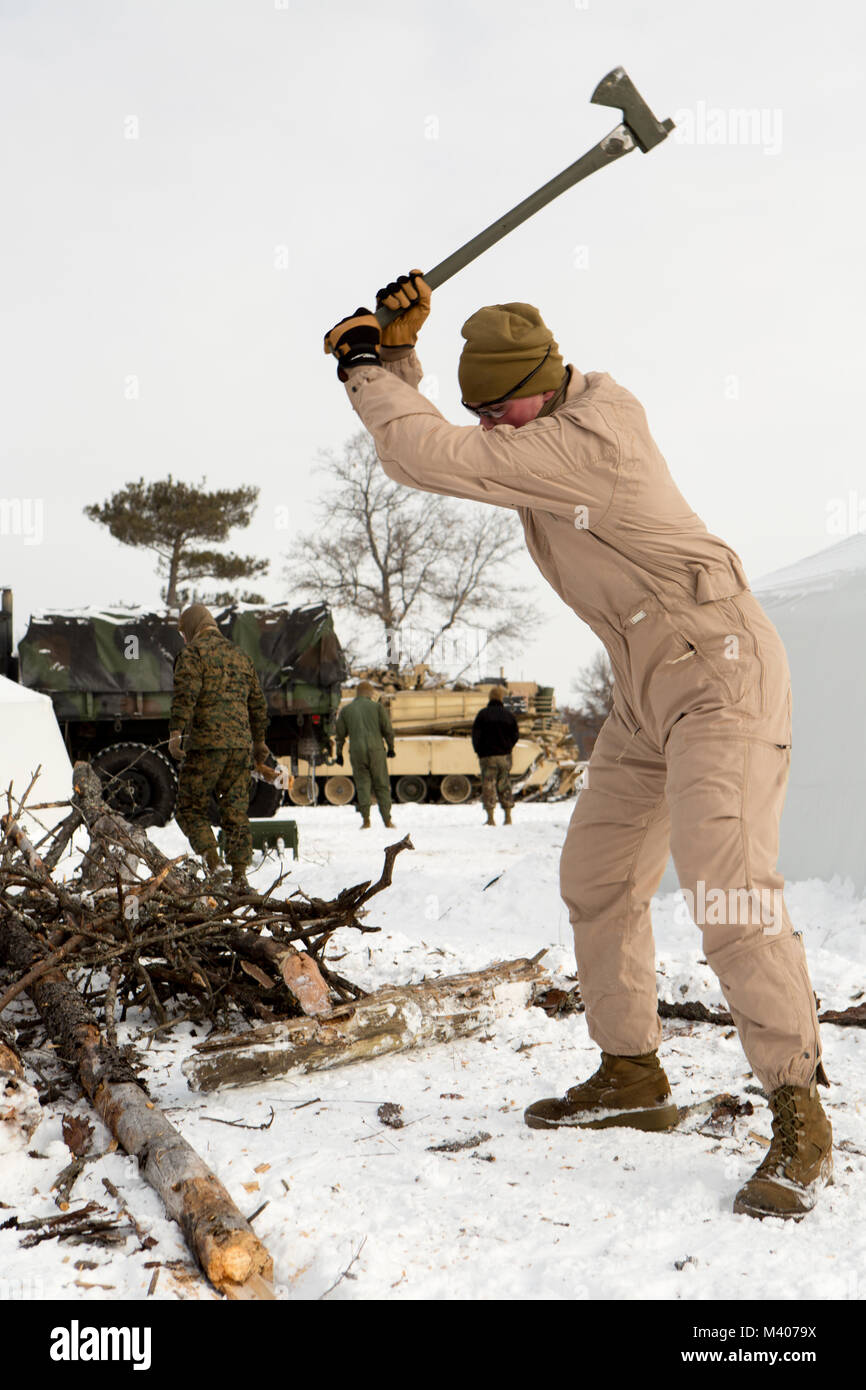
{"x": 393, "y": 1019}
{"x": 302, "y": 977}
{"x": 225, "y": 1245}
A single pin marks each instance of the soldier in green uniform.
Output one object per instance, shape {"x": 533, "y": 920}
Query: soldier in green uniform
{"x": 219, "y": 705}
{"x": 366, "y": 724}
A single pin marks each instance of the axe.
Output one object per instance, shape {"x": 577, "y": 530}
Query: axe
{"x": 639, "y": 128}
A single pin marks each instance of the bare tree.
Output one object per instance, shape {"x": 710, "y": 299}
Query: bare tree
{"x": 375, "y": 546}
{"x": 392, "y": 554}
{"x": 594, "y": 686}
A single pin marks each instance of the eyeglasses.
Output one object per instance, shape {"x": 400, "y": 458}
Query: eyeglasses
{"x": 494, "y": 410}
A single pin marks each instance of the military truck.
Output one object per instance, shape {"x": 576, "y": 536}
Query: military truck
{"x": 435, "y": 759}
{"x": 110, "y": 676}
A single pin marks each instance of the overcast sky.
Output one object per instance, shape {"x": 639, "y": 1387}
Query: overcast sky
{"x": 195, "y": 190}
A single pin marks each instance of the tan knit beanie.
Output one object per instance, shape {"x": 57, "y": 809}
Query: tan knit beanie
{"x": 504, "y": 342}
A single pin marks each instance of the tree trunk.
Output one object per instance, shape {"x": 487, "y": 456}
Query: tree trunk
{"x": 171, "y": 600}
{"x": 393, "y": 1019}
{"x": 225, "y": 1245}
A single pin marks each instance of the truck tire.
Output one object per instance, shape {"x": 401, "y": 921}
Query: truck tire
{"x": 301, "y": 791}
{"x": 411, "y": 788}
{"x": 339, "y": 791}
{"x": 455, "y": 788}
{"x": 138, "y": 782}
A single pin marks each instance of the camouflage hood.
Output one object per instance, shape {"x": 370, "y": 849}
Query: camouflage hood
{"x": 194, "y": 619}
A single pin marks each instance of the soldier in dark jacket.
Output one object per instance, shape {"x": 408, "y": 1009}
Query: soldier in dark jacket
{"x": 364, "y": 721}
{"x": 219, "y": 705}
{"x": 494, "y": 734}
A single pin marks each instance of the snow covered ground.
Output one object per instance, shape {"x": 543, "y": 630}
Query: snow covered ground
{"x": 522, "y": 1214}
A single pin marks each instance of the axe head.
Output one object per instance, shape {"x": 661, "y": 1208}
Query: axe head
{"x": 617, "y": 89}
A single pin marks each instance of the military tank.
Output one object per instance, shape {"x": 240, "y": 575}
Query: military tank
{"x": 110, "y": 676}
{"x": 435, "y": 760}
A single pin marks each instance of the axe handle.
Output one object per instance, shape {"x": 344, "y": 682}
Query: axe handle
{"x": 619, "y": 142}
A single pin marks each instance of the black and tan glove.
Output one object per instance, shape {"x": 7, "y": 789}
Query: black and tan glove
{"x": 354, "y": 341}
{"x": 409, "y": 295}
{"x": 261, "y": 752}
{"x": 174, "y": 744}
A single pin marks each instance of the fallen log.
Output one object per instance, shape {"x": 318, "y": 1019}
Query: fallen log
{"x": 855, "y": 1017}
{"x": 392, "y": 1019}
{"x": 225, "y": 1245}
{"x": 42, "y": 967}
{"x": 696, "y": 1012}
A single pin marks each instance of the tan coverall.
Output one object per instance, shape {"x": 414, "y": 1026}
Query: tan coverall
{"x": 695, "y": 754}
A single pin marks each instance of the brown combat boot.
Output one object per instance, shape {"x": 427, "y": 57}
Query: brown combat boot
{"x": 212, "y": 860}
{"x": 365, "y": 819}
{"x": 507, "y": 820}
{"x": 239, "y": 876}
{"x": 799, "y": 1161}
{"x": 386, "y": 819}
{"x": 629, "y": 1091}
{"x": 490, "y": 820}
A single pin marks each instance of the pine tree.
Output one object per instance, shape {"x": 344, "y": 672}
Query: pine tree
{"x": 169, "y": 517}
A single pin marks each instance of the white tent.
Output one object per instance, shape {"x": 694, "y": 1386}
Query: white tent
{"x": 29, "y": 738}
{"x": 819, "y": 608}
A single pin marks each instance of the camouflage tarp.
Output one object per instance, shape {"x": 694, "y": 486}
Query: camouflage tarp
{"x": 287, "y": 646}
{"x": 121, "y": 653}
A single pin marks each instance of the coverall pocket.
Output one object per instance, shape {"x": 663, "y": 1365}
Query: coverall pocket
{"x": 727, "y": 651}
{"x": 735, "y": 675}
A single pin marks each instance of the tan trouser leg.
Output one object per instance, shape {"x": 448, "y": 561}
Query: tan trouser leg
{"x": 725, "y": 792}
{"x": 612, "y": 860}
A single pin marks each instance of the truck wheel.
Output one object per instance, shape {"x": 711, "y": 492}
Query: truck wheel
{"x": 455, "y": 788}
{"x": 339, "y": 790}
{"x": 411, "y": 788}
{"x": 301, "y": 792}
{"x": 138, "y": 782}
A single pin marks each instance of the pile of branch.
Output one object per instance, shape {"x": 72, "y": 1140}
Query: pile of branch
{"x": 151, "y": 934}
{"x": 178, "y": 947}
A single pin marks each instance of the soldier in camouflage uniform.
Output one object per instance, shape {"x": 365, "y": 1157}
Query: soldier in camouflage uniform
{"x": 494, "y": 734}
{"x": 366, "y": 724}
{"x": 219, "y": 705}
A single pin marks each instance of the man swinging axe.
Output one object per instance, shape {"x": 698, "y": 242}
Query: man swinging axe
{"x": 694, "y": 756}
